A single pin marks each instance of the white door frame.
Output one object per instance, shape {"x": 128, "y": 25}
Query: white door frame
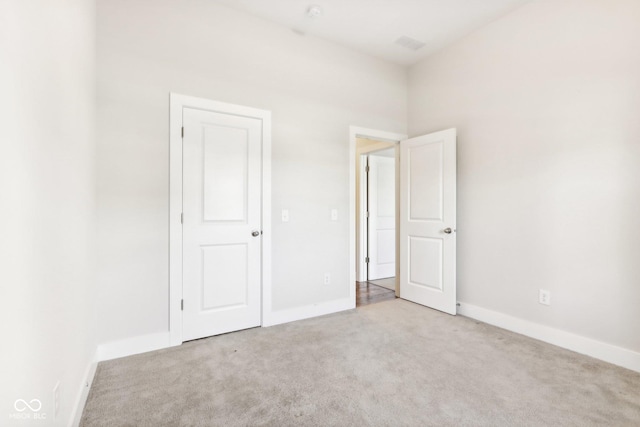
{"x": 177, "y": 104}
{"x": 357, "y": 266}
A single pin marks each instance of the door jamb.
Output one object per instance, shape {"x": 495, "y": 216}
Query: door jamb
{"x": 177, "y": 103}
{"x": 377, "y": 135}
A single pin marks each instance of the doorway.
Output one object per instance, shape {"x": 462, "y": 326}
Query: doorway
{"x": 377, "y": 201}
{"x": 426, "y": 213}
{"x": 375, "y": 219}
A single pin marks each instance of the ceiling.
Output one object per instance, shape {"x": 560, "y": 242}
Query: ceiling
{"x": 373, "y": 26}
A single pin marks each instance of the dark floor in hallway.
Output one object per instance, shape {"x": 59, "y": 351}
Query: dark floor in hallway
{"x": 369, "y": 293}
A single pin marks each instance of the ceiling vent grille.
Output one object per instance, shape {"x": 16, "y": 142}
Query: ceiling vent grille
{"x": 409, "y": 43}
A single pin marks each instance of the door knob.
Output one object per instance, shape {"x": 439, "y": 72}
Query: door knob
{"x": 255, "y": 233}
{"x": 448, "y": 230}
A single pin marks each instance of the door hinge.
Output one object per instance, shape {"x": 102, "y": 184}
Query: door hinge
{"x": 367, "y": 214}
{"x": 366, "y": 260}
{"x": 182, "y": 305}
{"x": 183, "y": 131}
{"x": 182, "y": 218}
{"x": 367, "y": 169}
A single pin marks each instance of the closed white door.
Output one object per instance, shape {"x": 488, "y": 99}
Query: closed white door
{"x": 221, "y": 224}
{"x": 428, "y": 220}
{"x": 382, "y": 215}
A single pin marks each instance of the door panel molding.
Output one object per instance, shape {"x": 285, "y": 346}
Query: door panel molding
{"x": 177, "y": 104}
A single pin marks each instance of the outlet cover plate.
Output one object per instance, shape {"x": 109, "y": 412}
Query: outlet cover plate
{"x": 544, "y": 297}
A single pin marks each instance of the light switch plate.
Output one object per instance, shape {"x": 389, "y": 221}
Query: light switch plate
{"x": 285, "y": 215}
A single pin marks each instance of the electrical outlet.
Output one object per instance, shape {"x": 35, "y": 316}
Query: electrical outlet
{"x": 56, "y": 400}
{"x": 544, "y": 297}
{"x": 334, "y": 214}
{"x": 327, "y": 278}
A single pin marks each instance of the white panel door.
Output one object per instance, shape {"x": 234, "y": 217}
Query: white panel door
{"x": 382, "y": 217}
{"x": 428, "y": 220}
{"x": 222, "y": 223}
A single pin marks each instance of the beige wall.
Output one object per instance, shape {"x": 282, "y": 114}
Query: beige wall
{"x": 314, "y": 89}
{"x": 546, "y": 101}
{"x": 47, "y": 219}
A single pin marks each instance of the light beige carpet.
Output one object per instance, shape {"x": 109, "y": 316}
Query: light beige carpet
{"x": 388, "y": 364}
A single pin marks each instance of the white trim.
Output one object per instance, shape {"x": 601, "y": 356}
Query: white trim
{"x": 375, "y": 134}
{"x": 83, "y": 393}
{"x": 133, "y": 345}
{"x": 607, "y": 352}
{"x": 361, "y": 222}
{"x": 177, "y": 104}
{"x": 266, "y": 217}
{"x": 308, "y": 311}
{"x": 355, "y": 247}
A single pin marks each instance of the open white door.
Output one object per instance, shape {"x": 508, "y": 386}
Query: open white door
{"x": 428, "y": 220}
{"x": 381, "y": 201}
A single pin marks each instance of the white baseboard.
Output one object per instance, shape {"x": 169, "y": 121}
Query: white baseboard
{"x": 157, "y": 341}
{"x": 609, "y": 353}
{"x": 307, "y": 311}
{"x": 83, "y": 393}
{"x": 134, "y": 345}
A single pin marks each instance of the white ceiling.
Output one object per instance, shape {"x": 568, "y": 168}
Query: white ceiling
{"x": 373, "y": 26}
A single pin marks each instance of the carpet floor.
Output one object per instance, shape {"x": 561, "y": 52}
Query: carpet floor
{"x": 389, "y": 364}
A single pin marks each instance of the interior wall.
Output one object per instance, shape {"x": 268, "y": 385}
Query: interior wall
{"x": 47, "y": 220}
{"x": 315, "y": 90}
{"x": 546, "y": 101}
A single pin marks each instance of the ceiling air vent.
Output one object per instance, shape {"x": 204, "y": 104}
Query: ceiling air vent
{"x": 409, "y": 43}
